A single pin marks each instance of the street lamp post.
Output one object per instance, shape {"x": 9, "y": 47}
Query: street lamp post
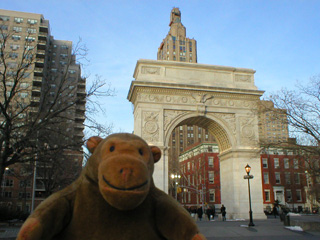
{"x": 248, "y": 176}
{"x": 175, "y": 177}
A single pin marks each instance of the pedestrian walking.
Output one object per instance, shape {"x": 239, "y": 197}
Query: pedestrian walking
{"x": 213, "y": 211}
{"x": 200, "y": 213}
{"x": 223, "y": 212}
{"x": 209, "y": 213}
{"x": 275, "y": 211}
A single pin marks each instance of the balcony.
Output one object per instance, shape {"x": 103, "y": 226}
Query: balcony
{"x": 42, "y": 36}
{"x": 79, "y": 127}
{"x": 79, "y": 117}
{"x": 41, "y": 45}
{"x": 79, "y": 134}
{"x": 39, "y": 63}
{"x": 35, "y": 99}
{"x": 36, "y": 92}
{"x": 81, "y": 94}
{"x": 43, "y": 29}
{"x": 82, "y": 85}
{"x": 81, "y": 109}
{"x": 38, "y": 72}
{"x": 37, "y": 81}
{"x": 40, "y": 53}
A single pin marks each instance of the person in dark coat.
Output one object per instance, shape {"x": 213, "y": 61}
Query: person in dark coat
{"x": 200, "y": 213}
{"x": 209, "y": 213}
{"x": 275, "y": 211}
{"x": 213, "y": 211}
{"x": 223, "y": 212}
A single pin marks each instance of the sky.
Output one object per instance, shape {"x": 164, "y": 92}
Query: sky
{"x": 280, "y": 39}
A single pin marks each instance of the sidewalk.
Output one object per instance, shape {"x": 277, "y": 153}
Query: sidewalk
{"x": 9, "y": 233}
{"x": 269, "y": 229}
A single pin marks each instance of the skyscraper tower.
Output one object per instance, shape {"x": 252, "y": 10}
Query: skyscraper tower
{"x": 176, "y": 46}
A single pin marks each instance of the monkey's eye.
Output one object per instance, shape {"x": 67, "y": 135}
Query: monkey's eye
{"x": 112, "y": 148}
{"x": 140, "y": 151}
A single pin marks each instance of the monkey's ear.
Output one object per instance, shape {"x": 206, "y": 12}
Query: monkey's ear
{"x": 93, "y": 142}
{"x": 156, "y": 152}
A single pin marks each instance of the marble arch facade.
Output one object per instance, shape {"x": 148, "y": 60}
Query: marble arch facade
{"x": 167, "y": 94}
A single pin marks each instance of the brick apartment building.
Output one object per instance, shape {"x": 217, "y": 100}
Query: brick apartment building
{"x": 27, "y": 36}
{"x": 284, "y": 178}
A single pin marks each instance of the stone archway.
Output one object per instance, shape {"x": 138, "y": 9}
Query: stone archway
{"x": 223, "y": 100}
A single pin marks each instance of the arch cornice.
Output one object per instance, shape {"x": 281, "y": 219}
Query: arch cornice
{"x": 185, "y": 89}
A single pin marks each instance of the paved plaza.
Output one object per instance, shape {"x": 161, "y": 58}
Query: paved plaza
{"x": 264, "y": 229}
{"x": 269, "y": 229}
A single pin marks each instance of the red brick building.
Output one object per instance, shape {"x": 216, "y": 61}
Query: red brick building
{"x": 283, "y": 177}
{"x": 200, "y": 175}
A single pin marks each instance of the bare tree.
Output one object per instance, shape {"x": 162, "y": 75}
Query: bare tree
{"x": 302, "y": 111}
{"x": 34, "y": 112}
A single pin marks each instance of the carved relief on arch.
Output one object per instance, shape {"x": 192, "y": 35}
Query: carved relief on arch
{"x": 228, "y": 118}
{"x": 170, "y": 115}
{"x": 150, "y": 70}
{"x": 247, "y": 130}
{"x": 150, "y": 126}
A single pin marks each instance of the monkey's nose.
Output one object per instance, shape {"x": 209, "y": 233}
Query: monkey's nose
{"x": 125, "y": 173}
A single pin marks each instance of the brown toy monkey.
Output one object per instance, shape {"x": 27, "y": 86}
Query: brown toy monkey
{"x": 113, "y": 199}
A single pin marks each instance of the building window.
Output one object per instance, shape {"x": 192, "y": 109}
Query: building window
{"x": 30, "y": 39}
{"x": 4, "y": 27}
{"x": 64, "y": 47}
{"x": 286, "y": 163}
{"x": 17, "y": 29}
{"x": 265, "y": 162}
{"x": 7, "y": 194}
{"x": 212, "y": 195}
{"x": 289, "y": 195}
{"x": 211, "y": 177}
{"x": 31, "y": 30}
{"x": 18, "y": 20}
{"x": 25, "y": 183}
{"x": 296, "y": 163}
{"x": 14, "y": 46}
{"x": 277, "y": 176}
{"x": 299, "y": 196}
{"x": 16, "y": 37}
{"x": 276, "y": 162}
{"x": 24, "y": 195}
{"x": 32, "y": 21}
{"x": 9, "y": 183}
{"x": 267, "y": 195}
{"x": 23, "y": 95}
{"x": 287, "y": 177}
{"x": 266, "y": 177}
{"x": 210, "y": 160}
{"x": 297, "y": 178}
{"x": 4, "y": 18}
{"x": 13, "y": 55}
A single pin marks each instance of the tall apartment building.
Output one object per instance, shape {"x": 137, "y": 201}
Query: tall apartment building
{"x": 51, "y": 79}
{"x": 176, "y": 46}
{"x": 273, "y": 126}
